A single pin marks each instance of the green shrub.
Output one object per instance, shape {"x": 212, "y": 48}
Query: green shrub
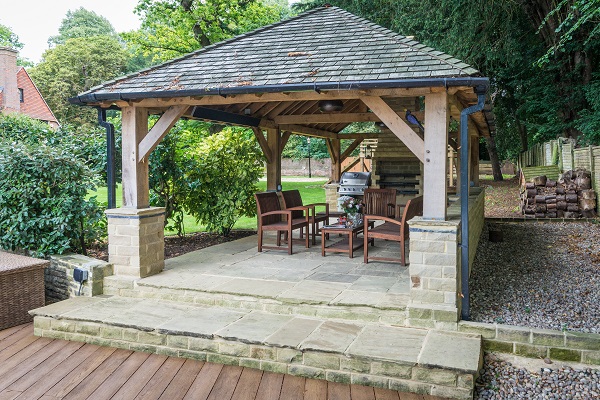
{"x": 223, "y": 182}
{"x": 43, "y": 206}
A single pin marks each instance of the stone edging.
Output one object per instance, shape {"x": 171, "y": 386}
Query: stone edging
{"x": 537, "y": 343}
{"x": 539, "y": 220}
{"x": 332, "y": 367}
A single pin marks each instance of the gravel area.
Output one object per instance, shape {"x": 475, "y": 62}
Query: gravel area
{"x": 543, "y": 275}
{"x": 500, "y": 379}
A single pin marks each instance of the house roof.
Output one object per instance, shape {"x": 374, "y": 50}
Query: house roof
{"x": 325, "y": 46}
{"x": 33, "y": 103}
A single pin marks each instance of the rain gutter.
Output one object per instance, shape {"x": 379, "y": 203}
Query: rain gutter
{"x": 84, "y": 99}
{"x": 110, "y": 158}
{"x": 464, "y": 198}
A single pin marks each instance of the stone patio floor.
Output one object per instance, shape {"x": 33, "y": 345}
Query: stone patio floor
{"x": 303, "y": 277}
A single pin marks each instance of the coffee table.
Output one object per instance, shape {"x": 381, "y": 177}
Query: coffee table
{"x": 346, "y": 245}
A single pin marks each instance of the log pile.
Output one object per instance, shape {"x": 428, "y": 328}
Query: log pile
{"x": 571, "y": 196}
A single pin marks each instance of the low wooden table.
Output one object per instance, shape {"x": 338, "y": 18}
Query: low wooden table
{"x": 346, "y": 245}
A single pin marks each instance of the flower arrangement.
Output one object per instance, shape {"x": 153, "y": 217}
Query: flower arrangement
{"x": 350, "y": 205}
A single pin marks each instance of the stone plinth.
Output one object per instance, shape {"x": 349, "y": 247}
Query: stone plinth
{"x": 434, "y": 272}
{"x": 331, "y": 195}
{"x": 136, "y": 245}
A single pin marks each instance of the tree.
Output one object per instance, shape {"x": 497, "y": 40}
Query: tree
{"x": 75, "y": 67}
{"x": 8, "y": 38}
{"x": 82, "y": 23}
{"x": 171, "y": 28}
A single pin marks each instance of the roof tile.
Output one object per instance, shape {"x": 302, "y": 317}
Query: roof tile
{"x": 324, "y": 44}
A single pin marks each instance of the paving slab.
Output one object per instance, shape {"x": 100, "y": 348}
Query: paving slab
{"x": 394, "y": 301}
{"x": 255, "y": 327}
{"x": 452, "y": 350}
{"x": 294, "y": 332}
{"x": 148, "y": 314}
{"x": 199, "y": 282}
{"x": 385, "y": 343}
{"x": 358, "y": 298}
{"x": 373, "y": 284}
{"x": 255, "y": 287}
{"x": 102, "y": 310}
{"x": 332, "y": 277}
{"x": 313, "y": 292}
{"x": 332, "y": 336}
{"x": 62, "y": 307}
{"x": 201, "y": 322}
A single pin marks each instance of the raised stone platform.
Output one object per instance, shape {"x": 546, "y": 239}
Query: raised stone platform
{"x": 235, "y": 275}
{"x": 375, "y": 354}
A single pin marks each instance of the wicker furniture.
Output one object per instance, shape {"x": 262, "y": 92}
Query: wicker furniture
{"x": 394, "y": 229}
{"x": 272, "y": 218}
{"x": 21, "y": 288}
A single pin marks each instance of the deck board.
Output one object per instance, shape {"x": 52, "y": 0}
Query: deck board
{"x": 49, "y": 369}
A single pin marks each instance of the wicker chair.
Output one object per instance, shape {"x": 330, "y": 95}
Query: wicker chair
{"x": 272, "y": 218}
{"x": 292, "y": 198}
{"x": 395, "y": 229}
{"x": 381, "y": 202}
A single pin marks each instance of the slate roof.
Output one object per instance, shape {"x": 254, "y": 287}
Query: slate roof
{"x": 324, "y": 45}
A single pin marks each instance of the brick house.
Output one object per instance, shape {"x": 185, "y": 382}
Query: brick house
{"x": 18, "y": 93}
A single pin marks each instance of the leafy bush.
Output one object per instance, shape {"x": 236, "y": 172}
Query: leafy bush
{"x": 169, "y": 186}
{"x": 43, "y": 206}
{"x": 223, "y": 182}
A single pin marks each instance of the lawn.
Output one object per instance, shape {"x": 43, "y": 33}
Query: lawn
{"x": 311, "y": 190}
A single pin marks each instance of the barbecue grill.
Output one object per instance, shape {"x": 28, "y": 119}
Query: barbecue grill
{"x": 354, "y": 183}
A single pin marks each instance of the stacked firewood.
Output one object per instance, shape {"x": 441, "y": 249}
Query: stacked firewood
{"x": 569, "y": 197}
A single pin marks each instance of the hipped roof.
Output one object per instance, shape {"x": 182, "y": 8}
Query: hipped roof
{"x": 326, "y": 46}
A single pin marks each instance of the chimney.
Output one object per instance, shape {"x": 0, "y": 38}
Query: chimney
{"x": 8, "y": 80}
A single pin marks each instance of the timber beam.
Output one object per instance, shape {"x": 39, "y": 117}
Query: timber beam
{"x": 159, "y": 130}
{"x": 400, "y": 128}
{"x": 263, "y": 144}
{"x": 268, "y": 97}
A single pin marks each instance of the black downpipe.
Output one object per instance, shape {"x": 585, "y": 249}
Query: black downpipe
{"x": 464, "y": 198}
{"x": 110, "y": 158}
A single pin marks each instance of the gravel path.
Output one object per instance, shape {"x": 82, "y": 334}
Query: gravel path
{"x": 501, "y": 380}
{"x": 543, "y": 275}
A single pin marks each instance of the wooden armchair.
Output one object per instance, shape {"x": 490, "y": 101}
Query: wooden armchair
{"x": 381, "y": 202}
{"x": 292, "y": 198}
{"x": 394, "y": 229}
{"x": 272, "y": 218}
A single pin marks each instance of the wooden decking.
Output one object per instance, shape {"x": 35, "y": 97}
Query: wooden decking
{"x": 42, "y": 368}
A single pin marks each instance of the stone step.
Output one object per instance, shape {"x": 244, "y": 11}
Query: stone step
{"x": 399, "y": 358}
{"x": 235, "y": 275}
{"x": 309, "y": 298}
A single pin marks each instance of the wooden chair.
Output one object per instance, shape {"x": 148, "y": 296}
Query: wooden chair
{"x": 394, "y": 229}
{"x": 272, "y": 218}
{"x": 381, "y": 202}
{"x": 292, "y": 198}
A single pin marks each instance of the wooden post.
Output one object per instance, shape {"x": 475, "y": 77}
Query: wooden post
{"x": 134, "y": 173}
{"x": 334, "y": 146}
{"x": 451, "y": 167}
{"x": 435, "y": 166}
{"x": 274, "y": 167}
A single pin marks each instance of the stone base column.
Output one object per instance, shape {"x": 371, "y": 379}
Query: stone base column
{"x": 136, "y": 242}
{"x": 331, "y": 195}
{"x": 435, "y": 274}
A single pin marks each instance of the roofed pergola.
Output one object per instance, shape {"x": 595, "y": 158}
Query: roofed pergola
{"x": 272, "y": 80}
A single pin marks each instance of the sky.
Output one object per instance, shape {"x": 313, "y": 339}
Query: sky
{"x": 35, "y": 21}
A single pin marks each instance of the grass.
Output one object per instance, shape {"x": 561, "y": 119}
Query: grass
{"x": 311, "y": 191}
